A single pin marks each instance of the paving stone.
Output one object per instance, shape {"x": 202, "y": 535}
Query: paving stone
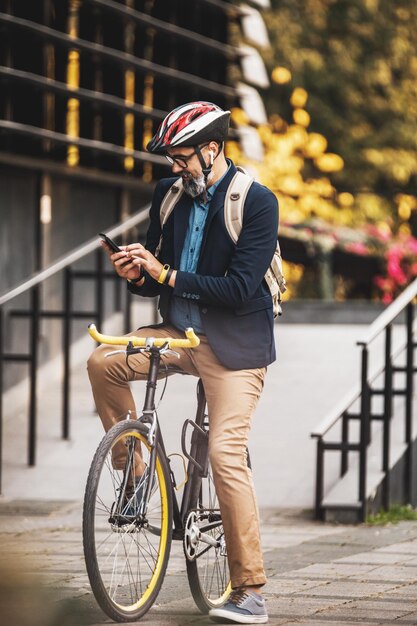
{"x": 407, "y": 547}
{"x": 377, "y": 557}
{"x": 402, "y": 591}
{"x": 349, "y": 589}
{"x": 300, "y": 607}
{"x": 288, "y": 586}
{"x": 411, "y": 619}
{"x": 320, "y": 571}
{"x": 361, "y": 613}
{"x": 391, "y": 573}
{"x": 318, "y": 621}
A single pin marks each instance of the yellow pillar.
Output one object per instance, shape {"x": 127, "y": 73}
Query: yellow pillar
{"x": 73, "y": 83}
{"x": 129, "y": 119}
{"x": 147, "y": 124}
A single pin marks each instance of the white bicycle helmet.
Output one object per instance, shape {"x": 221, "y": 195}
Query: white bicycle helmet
{"x": 189, "y": 125}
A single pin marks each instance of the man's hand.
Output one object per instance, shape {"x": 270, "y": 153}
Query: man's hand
{"x": 148, "y": 261}
{"x": 123, "y": 262}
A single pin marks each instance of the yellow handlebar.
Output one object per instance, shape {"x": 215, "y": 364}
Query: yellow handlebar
{"x": 191, "y": 341}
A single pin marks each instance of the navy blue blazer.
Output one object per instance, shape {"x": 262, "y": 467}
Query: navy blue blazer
{"x": 229, "y": 286}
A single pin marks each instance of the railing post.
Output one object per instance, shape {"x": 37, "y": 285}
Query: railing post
{"x": 1, "y": 396}
{"x": 344, "y": 461}
{"x": 388, "y": 380}
{"x": 66, "y": 343}
{"x": 319, "y": 479}
{"x": 364, "y": 431}
{"x": 408, "y": 483}
{"x": 33, "y": 375}
{"x": 99, "y": 291}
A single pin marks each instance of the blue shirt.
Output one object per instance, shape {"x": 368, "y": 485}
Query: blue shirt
{"x": 183, "y": 313}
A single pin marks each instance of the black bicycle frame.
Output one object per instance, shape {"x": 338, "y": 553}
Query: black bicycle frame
{"x": 197, "y": 457}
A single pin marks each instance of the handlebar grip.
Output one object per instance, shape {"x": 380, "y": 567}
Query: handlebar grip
{"x": 191, "y": 341}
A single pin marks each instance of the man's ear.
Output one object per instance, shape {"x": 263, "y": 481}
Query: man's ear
{"x": 214, "y": 149}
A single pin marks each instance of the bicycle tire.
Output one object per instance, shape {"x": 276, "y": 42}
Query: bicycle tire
{"x": 126, "y": 562}
{"x": 208, "y": 573}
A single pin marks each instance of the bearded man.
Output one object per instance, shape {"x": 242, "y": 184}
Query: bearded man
{"x": 206, "y": 281}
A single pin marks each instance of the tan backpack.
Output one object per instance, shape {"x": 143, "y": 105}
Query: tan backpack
{"x": 233, "y": 216}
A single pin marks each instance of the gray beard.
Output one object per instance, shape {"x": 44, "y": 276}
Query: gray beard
{"x": 194, "y": 187}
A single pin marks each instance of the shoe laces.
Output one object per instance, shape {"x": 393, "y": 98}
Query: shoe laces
{"x": 238, "y": 596}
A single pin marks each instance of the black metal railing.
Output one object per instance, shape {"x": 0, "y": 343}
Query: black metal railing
{"x": 67, "y": 313}
{"x": 342, "y": 414}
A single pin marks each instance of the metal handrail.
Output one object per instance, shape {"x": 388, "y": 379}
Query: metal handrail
{"x": 342, "y": 412}
{"x": 335, "y": 414}
{"x": 35, "y": 312}
{"x": 390, "y": 313}
{"x": 75, "y": 255}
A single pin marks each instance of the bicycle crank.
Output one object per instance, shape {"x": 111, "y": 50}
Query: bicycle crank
{"x": 193, "y": 537}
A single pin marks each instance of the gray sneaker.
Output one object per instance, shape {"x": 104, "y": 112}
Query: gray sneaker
{"x": 242, "y": 607}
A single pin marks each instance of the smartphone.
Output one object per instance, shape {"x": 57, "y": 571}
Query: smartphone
{"x": 112, "y": 245}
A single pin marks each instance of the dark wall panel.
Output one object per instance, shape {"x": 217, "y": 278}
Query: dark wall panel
{"x": 18, "y": 201}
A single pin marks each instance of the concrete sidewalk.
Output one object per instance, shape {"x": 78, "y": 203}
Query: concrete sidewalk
{"x": 318, "y": 573}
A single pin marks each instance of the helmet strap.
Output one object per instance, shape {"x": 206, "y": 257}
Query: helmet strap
{"x": 206, "y": 169}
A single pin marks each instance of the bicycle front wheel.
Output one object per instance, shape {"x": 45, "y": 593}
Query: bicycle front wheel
{"x": 127, "y": 546}
{"x": 205, "y": 546}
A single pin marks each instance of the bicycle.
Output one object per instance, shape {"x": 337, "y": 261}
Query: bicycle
{"x": 129, "y": 520}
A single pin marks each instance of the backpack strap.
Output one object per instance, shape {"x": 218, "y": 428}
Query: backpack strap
{"x": 235, "y": 201}
{"x": 168, "y": 203}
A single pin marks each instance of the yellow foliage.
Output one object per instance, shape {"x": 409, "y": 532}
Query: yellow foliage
{"x": 320, "y": 186}
{"x": 404, "y": 229}
{"x": 316, "y": 145}
{"x": 345, "y": 199}
{"x": 299, "y": 97}
{"x": 287, "y": 148}
{"x": 329, "y": 162}
{"x": 301, "y": 117}
{"x": 281, "y": 75}
{"x": 298, "y": 136}
{"x": 234, "y": 151}
{"x": 239, "y": 116}
{"x": 291, "y": 185}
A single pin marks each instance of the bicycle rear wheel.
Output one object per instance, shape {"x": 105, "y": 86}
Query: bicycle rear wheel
{"x": 126, "y": 550}
{"x": 205, "y": 547}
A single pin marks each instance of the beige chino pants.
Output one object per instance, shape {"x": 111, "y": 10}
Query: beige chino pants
{"x": 232, "y": 396}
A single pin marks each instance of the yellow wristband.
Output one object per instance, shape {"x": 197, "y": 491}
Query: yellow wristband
{"x": 163, "y": 273}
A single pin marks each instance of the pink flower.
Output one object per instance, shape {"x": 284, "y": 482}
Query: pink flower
{"x": 412, "y": 244}
{"x": 396, "y": 272}
{"x": 374, "y": 231}
{"x": 357, "y": 248}
{"x": 383, "y": 283}
{"x": 387, "y": 298}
